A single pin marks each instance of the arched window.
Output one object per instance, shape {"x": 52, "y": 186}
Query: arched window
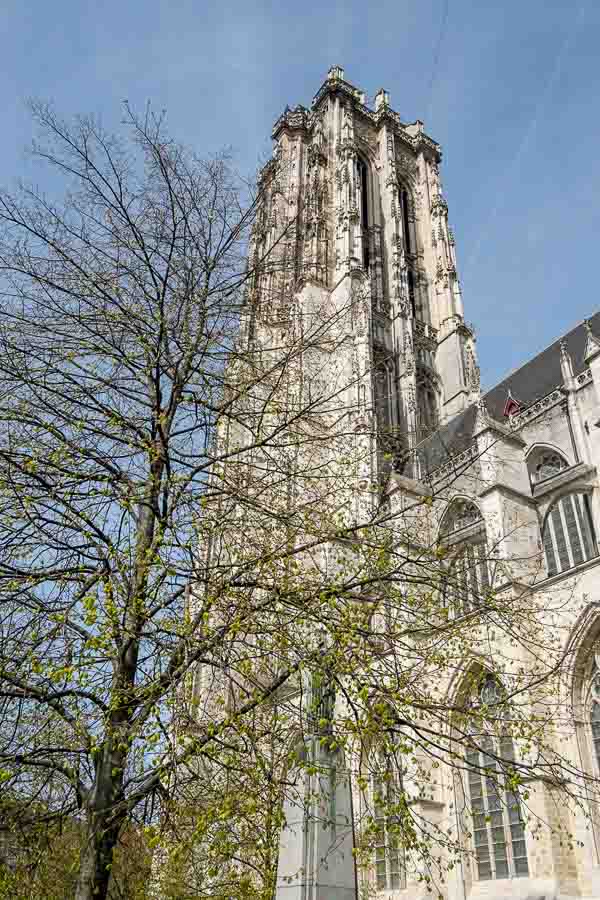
{"x": 409, "y": 248}
{"x": 404, "y": 207}
{"x": 593, "y": 708}
{"x": 362, "y": 179}
{"x": 497, "y": 823}
{"x": 544, "y": 463}
{"x": 460, "y": 515}
{"x": 568, "y": 535}
{"x": 586, "y": 711}
{"x": 386, "y": 787}
{"x": 462, "y": 531}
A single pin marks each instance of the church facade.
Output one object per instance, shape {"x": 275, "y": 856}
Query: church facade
{"x": 356, "y": 210}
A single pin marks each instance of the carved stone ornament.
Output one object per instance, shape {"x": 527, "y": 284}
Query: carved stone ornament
{"x": 317, "y": 149}
{"x": 292, "y": 120}
{"x": 406, "y": 164}
{"x": 439, "y": 207}
{"x": 365, "y": 136}
{"x": 592, "y": 344}
{"x": 409, "y": 353}
{"x": 404, "y": 308}
{"x": 473, "y": 372}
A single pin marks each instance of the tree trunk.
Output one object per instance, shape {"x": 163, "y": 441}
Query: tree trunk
{"x": 96, "y": 859}
{"x": 103, "y": 827}
{"x": 103, "y": 823}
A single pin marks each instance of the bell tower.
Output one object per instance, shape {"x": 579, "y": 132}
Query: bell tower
{"x": 354, "y": 208}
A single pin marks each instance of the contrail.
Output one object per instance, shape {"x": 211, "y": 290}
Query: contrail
{"x": 529, "y": 132}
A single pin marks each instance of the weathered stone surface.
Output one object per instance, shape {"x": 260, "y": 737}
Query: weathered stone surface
{"x": 316, "y": 861}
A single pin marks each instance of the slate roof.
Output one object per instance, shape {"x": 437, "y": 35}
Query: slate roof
{"x": 453, "y": 437}
{"x": 541, "y": 374}
{"x": 529, "y": 383}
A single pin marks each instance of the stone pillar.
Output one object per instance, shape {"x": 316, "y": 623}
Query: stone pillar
{"x": 316, "y": 860}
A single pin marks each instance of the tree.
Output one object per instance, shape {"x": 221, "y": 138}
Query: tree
{"x": 119, "y": 307}
{"x": 182, "y": 538}
{"x": 43, "y": 859}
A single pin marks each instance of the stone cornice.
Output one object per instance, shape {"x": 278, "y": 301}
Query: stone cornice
{"x": 455, "y": 465}
{"x": 338, "y": 86}
{"x": 565, "y": 476}
{"x": 417, "y": 142}
{"x": 535, "y": 409}
{"x": 567, "y": 573}
{"x": 410, "y": 485}
{"x": 297, "y": 119}
{"x": 501, "y": 430}
{"x": 509, "y": 491}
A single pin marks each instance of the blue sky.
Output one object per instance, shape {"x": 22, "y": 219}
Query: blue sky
{"x": 513, "y": 100}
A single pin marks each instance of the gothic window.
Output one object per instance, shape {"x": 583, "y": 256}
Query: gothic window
{"x": 389, "y": 856}
{"x": 497, "y": 824}
{"x": 544, "y": 463}
{"x": 568, "y": 535}
{"x": 467, "y": 580}
{"x": 410, "y": 276}
{"x": 409, "y": 245}
{"x": 593, "y": 710}
{"x": 362, "y": 173}
{"x": 404, "y": 208}
{"x": 460, "y": 515}
{"x": 384, "y": 368}
{"x": 587, "y": 716}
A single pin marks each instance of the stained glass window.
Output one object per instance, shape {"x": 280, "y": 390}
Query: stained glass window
{"x": 497, "y": 823}
{"x": 594, "y": 709}
{"x": 389, "y": 856}
{"x": 568, "y": 537}
{"x": 467, "y": 582}
{"x": 460, "y": 514}
{"x": 545, "y": 464}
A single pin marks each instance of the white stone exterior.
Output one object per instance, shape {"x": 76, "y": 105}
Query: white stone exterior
{"x": 410, "y": 364}
{"x": 385, "y": 235}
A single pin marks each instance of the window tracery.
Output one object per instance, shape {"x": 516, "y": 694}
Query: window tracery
{"x": 497, "y": 823}
{"x": 568, "y": 535}
{"x": 467, "y": 581}
{"x": 460, "y": 514}
{"x": 404, "y": 203}
{"x": 545, "y": 463}
{"x": 593, "y": 708}
{"x": 362, "y": 184}
{"x": 386, "y": 786}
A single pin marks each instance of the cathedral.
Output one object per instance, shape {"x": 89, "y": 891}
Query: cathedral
{"x": 357, "y": 219}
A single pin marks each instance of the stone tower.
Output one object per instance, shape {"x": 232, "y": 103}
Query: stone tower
{"x": 352, "y": 229}
{"x": 354, "y": 207}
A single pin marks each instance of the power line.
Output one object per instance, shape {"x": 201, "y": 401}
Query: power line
{"x": 436, "y": 57}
